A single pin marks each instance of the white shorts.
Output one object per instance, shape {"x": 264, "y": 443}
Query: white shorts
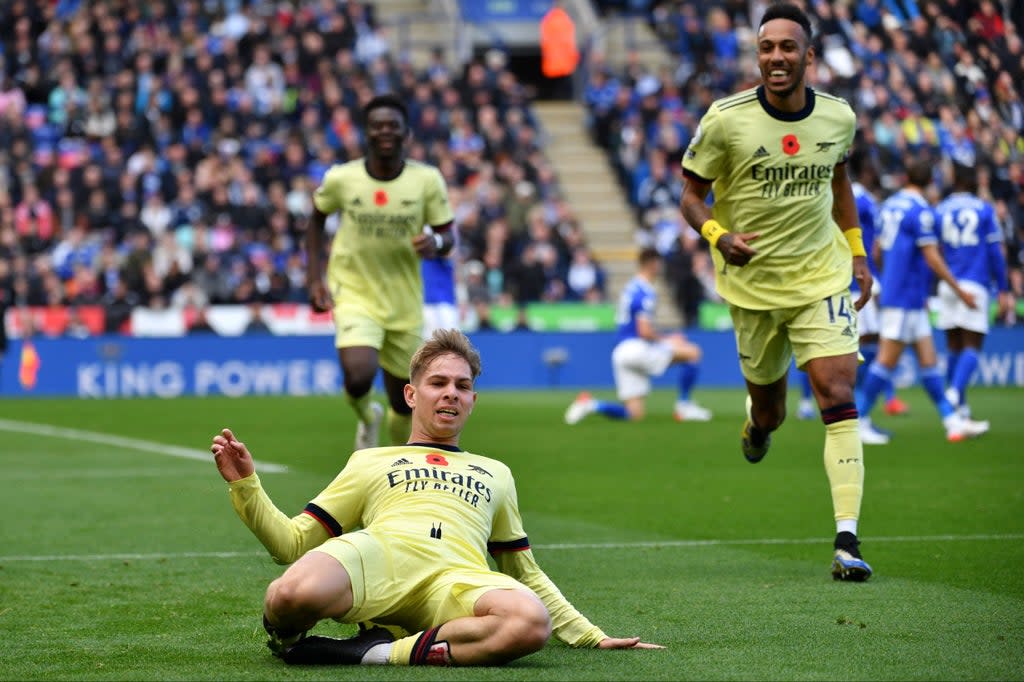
{"x": 634, "y": 362}
{"x": 954, "y": 313}
{"x": 904, "y": 325}
{"x": 867, "y": 317}
{"x": 439, "y": 316}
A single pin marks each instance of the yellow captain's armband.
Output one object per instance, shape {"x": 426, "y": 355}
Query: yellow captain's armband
{"x": 855, "y": 238}
{"x": 712, "y": 231}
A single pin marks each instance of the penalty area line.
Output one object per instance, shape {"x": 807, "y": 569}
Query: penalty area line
{"x": 50, "y": 431}
{"x": 156, "y": 556}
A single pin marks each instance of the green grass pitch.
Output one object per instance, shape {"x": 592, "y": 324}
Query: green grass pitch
{"x": 120, "y": 562}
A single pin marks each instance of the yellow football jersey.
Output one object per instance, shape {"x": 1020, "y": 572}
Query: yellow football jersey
{"x": 373, "y": 265}
{"x": 771, "y": 172}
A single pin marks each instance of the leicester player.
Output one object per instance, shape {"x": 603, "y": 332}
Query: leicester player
{"x": 867, "y": 317}
{"x": 910, "y": 252}
{"x": 972, "y": 244}
{"x": 785, "y": 241}
{"x": 641, "y": 353}
{"x": 400, "y": 538}
{"x": 374, "y": 286}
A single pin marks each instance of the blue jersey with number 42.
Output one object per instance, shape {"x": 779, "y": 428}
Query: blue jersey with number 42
{"x": 906, "y": 224}
{"x": 971, "y": 240}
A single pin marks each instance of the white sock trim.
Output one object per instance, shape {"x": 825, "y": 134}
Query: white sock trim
{"x": 847, "y": 525}
{"x": 378, "y": 654}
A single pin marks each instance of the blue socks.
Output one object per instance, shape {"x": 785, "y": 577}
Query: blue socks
{"x": 875, "y": 381}
{"x": 967, "y": 362}
{"x": 688, "y": 373}
{"x": 611, "y": 410}
{"x": 932, "y": 381}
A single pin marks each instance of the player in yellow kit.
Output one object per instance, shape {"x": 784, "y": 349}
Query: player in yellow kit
{"x": 400, "y": 538}
{"x": 374, "y": 286}
{"x": 786, "y": 243}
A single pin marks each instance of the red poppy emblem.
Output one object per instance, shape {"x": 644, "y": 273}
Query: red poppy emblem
{"x": 790, "y": 144}
{"x": 439, "y": 460}
{"x": 380, "y": 197}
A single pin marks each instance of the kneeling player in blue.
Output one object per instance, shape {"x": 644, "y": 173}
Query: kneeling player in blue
{"x": 399, "y": 540}
{"x": 641, "y": 353}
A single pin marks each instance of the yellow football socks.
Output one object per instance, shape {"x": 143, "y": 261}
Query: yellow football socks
{"x": 844, "y": 464}
{"x": 361, "y": 406}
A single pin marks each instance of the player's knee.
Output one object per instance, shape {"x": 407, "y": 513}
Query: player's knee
{"x": 359, "y": 382}
{"x": 836, "y": 393}
{"x": 694, "y": 353}
{"x": 528, "y": 629}
{"x": 286, "y": 596}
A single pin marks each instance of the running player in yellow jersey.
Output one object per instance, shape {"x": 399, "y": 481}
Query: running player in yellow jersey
{"x": 374, "y": 286}
{"x": 400, "y": 538}
{"x": 785, "y": 241}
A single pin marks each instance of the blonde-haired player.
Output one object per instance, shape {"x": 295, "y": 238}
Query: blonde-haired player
{"x": 400, "y": 538}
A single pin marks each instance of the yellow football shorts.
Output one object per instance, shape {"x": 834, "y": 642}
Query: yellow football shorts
{"x": 399, "y": 583}
{"x": 768, "y": 339}
{"x": 353, "y": 327}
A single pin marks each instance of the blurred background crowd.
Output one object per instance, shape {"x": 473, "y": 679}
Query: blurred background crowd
{"x": 928, "y": 78}
{"x": 163, "y": 154}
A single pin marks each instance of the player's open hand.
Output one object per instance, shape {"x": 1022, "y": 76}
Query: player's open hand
{"x": 735, "y": 247}
{"x": 232, "y": 457}
{"x": 319, "y": 297}
{"x": 1005, "y": 305}
{"x": 626, "y": 643}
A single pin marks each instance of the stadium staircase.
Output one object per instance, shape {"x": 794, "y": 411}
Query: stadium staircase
{"x": 417, "y": 27}
{"x": 590, "y": 187}
{"x": 583, "y": 168}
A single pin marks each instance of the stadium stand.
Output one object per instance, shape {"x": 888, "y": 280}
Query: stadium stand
{"x": 936, "y": 77}
{"x": 160, "y": 156}
{"x": 164, "y": 158}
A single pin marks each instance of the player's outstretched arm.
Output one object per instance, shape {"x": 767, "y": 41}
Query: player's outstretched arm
{"x": 626, "y": 643}
{"x": 231, "y": 456}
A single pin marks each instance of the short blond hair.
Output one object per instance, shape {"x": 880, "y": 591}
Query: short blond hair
{"x": 444, "y": 342}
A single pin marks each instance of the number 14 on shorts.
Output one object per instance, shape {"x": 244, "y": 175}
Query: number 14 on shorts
{"x": 839, "y": 306}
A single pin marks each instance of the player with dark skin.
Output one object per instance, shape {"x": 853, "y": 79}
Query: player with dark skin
{"x": 386, "y": 134}
{"x": 783, "y": 55}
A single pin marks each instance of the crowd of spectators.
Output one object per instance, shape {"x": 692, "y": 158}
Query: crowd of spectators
{"x": 164, "y": 154}
{"x": 937, "y": 78}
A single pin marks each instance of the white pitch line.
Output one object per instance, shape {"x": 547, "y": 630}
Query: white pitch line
{"x": 64, "y": 473}
{"x": 123, "y": 442}
{"x": 655, "y": 544}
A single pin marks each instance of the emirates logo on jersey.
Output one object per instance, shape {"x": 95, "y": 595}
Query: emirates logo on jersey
{"x": 380, "y": 197}
{"x": 790, "y": 145}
